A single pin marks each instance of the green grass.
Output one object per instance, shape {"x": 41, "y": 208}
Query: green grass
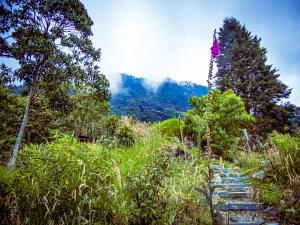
{"x": 249, "y": 162}
{"x": 269, "y": 193}
{"x": 92, "y": 184}
{"x": 131, "y": 160}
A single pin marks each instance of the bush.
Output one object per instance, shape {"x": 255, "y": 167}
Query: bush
{"x": 111, "y": 124}
{"x": 148, "y": 204}
{"x": 250, "y": 162}
{"x": 125, "y": 136}
{"x": 269, "y": 194}
{"x": 64, "y": 182}
{"x": 171, "y": 127}
{"x": 226, "y": 114}
{"x": 288, "y": 148}
{"x": 191, "y": 212}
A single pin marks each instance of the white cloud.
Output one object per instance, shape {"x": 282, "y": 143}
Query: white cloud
{"x": 115, "y": 81}
{"x": 158, "y": 39}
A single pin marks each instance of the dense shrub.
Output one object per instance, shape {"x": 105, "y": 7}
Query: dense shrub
{"x": 288, "y": 148}
{"x": 147, "y": 202}
{"x": 125, "y": 136}
{"x": 64, "y": 182}
{"x": 171, "y": 127}
{"x": 111, "y": 124}
{"x": 191, "y": 212}
{"x": 226, "y": 114}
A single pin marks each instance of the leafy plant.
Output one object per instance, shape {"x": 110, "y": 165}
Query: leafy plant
{"x": 60, "y": 182}
{"x": 125, "y": 136}
{"x": 269, "y": 193}
{"x": 226, "y": 114}
{"x": 147, "y": 201}
{"x": 171, "y": 127}
{"x": 288, "y": 148}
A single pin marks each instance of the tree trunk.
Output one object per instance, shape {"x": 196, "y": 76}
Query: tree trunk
{"x": 12, "y": 160}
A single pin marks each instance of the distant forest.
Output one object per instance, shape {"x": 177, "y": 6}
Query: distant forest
{"x": 169, "y": 99}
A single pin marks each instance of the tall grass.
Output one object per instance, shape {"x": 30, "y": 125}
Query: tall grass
{"x": 249, "y": 162}
{"x": 67, "y": 182}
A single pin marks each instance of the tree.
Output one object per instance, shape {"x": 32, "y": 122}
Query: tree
{"x": 242, "y": 67}
{"x": 50, "y": 39}
{"x": 87, "y": 112}
{"x": 227, "y": 115}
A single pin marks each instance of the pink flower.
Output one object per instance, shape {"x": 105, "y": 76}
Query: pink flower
{"x": 215, "y": 49}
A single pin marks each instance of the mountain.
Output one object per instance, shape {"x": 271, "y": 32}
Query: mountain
{"x": 137, "y": 98}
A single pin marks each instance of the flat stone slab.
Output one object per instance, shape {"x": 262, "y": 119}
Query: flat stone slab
{"x": 234, "y": 179}
{"x": 232, "y": 194}
{"x": 229, "y": 174}
{"x": 242, "y": 218}
{"x": 233, "y": 186}
{"x": 245, "y": 223}
{"x": 239, "y": 206}
{"x": 219, "y": 169}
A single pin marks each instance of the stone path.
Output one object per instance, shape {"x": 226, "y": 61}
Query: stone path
{"x": 233, "y": 198}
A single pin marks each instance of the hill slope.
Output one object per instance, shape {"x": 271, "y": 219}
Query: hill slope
{"x": 147, "y": 104}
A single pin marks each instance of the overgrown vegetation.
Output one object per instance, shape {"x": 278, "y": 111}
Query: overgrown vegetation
{"x": 228, "y": 117}
{"x": 78, "y": 164}
{"x": 69, "y": 182}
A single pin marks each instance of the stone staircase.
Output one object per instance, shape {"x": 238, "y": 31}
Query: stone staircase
{"x": 233, "y": 198}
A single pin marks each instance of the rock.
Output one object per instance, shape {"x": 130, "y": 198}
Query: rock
{"x": 234, "y": 179}
{"x": 282, "y": 202}
{"x": 239, "y": 206}
{"x": 265, "y": 163}
{"x": 218, "y": 219}
{"x": 217, "y": 179}
{"x": 259, "y": 175}
{"x": 180, "y": 153}
{"x": 232, "y": 194}
{"x": 234, "y": 186}
{"x": 269, "y": 209}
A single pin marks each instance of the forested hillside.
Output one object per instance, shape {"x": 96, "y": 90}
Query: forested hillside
{"x": 169, "y": 99}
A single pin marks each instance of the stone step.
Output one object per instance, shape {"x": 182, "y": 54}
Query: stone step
{"x": 245, "y": 223}
{"x": 232, "y": 194}
{"x": 245, "y": 218}
{"x": 234, "y": 186}
{"x": 219, "y": 169}
{"x": 230, "y": 174}
{"x": 238, "y": 206}
{"x": 233, "y": 179}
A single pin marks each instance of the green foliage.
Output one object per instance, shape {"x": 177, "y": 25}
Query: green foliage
{"x": 68, "y": 182}
{"x": 192, "y": 212}
{"x": 40, "y": 123}
{"x": 11, "y": 109}
{"x": 145, "y": 191}
{"x": 111, "y": 124}
{"x": 87, "y": 113}
{"x": 225, "y": 113}
{"x": 171, "y": 127}
{"x": 51, "y": 42}
{"x": 269, "y": 194}
{"x": 289, "y": 151}
{"x": 249, "y": 162}
{"x": 125, "y": 136}
{"x": 63, "y": 182}
{"x": 242, "y": 67}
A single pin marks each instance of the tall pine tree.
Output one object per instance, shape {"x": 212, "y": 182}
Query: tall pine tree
{"x": 242, "y": 66}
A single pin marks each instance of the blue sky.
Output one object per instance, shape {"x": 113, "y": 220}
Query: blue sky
{"x": 171, "y": 38}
